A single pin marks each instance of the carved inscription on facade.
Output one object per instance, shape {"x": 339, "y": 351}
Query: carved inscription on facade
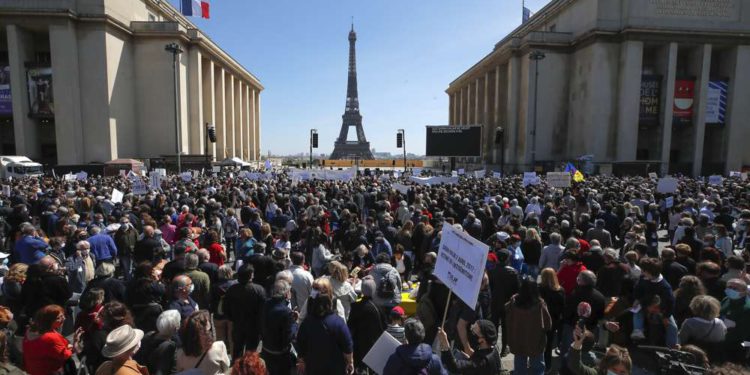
{"x": 695, "y": 8}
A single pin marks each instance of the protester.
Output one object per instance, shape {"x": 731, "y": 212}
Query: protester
{"x": 528, "y": 323}
{"x": 199, "y": 349}
{"x": 414, "y": 356}
{"x": 122, "y": 343}
{"x": 45, "y": 350}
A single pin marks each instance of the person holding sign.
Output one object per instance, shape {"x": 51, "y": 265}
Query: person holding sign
{"x": 414, "y": 357}
{"x": 485, "y": 360}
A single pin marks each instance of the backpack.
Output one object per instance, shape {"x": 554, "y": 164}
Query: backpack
{"x": 387, "y": 287}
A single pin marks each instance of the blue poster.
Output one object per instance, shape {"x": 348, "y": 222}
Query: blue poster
{"x": 716, "y": 101}
{"x": 6, "y": 105}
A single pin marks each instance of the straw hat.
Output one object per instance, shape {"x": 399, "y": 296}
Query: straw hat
{"x": 120, "y": 340}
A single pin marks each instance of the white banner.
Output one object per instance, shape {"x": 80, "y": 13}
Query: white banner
{"x": 436, "y": 180}
{"x": 186, "y": 176}
{"x": 530, "y": 178}
{"x": 479, "y": 173}
{"x": 461, "y": 171}
{"x": 497, "y": 175}
{"x": 69, "y": 177}
{"x": 401, "y": 188}
{"x": 81, "y": 176}
{"x": 460, "y": 264}
{"x": 666, "y": 185}
{"x": 558, "y": 179}
{"x": 715, "y": 180}
{"x": 117, "y": 196}
{"x": 6, "y": 190}
{"x": 735, "y": 174}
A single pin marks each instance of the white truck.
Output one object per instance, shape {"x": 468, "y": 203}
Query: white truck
{"x": 18, "y": 167}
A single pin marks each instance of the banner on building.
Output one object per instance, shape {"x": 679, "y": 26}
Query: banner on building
{"x": 716, "y": 101}
{"x": 6, "y": 104}
{"x": 684, "y": 95}
{"x": 650, "y": 98}
{"x": 41, "y": 102}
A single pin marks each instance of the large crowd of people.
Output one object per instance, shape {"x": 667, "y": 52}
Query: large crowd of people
{"x": 220, "y": 275}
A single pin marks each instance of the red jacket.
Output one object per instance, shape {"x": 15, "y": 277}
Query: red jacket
{"x": 567, "y": 276}
{"x": 46, "y": 354}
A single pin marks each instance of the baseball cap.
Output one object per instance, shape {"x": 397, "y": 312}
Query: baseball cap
{"x": 398, "y": 312}
{"x": 488, "y": 330}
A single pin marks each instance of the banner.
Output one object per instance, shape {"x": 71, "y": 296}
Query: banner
{"x": 82, "y": 176}
{"x": 666, "y": 185}
{"x": 6, "y": 103}
{"x": 460, "y": 264}
{"x": 684, "y": 91}
{"x": 401, "y": 188}
{"x": 41, "y": 101}
{"x": 558, "y": 179}
{"x": 155, "y": 181}
{"x": 650, "y": 98}
{"x": 530, "y": 178}
{"x": 434, "y": 180}
{"x": 715, "y": 180}
{"x": 716, "y": 101}
{"x": 139, "y": 186}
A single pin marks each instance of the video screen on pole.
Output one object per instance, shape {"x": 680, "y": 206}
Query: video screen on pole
{"x": 454, "y": 140}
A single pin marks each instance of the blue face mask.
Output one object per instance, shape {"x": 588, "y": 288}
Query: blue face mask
{"x": 732, "y": 294}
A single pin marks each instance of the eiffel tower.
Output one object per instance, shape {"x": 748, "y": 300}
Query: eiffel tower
{"x": 344, "y": 149}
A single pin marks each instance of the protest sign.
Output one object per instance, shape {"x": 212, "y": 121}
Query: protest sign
{"x": 715, "y": 180}
{"x": 497, "y": 175}
{"x": 401, "y": 188}
{"x": 139, "y": 187}
{"x": 743, "y": 176}
{"x": 530, "y": 178}
{"x": 460, "y": 264}
{"x": 117, "y": 196}
{"x": 461, "y": 171}
{"x": 479, "y": 173}
{"x": 653, "y": 176}
{"x": 669, "y": 202}
{"x": 155, "y": 182}
{"x": 558, "y": 179}
{"x": 81, "y": 176}
{"x": 381, "y": 350}
{"x": 186, "y": 176}
{"x": 215, "y": 169}
{"x": 434, "y": 180}
{"x": 736, "y": 174}
{"x": 416, "y": 171}
{"x": 666, "y": 185}
{"x": 454, "y": 174}
{"x": 69, "y": 177}
{"x": 6, "y": 190}
{"x": 161, "y": 171}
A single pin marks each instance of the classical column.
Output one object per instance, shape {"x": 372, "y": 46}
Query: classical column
{"x": 238, "y": 119}
{"x": 219, "y": 109}
{"x": 208, "y": 102}
{"x": 496, "y": 117}
{"x": 738, "y": 111}
{"x": 628, "y": 101}
{"x": 229, "y": 113}
{"x": 514, "y": 92}
{"x": 196, "y": 120}
{"x": 668, "y": 106}
{"x": 477, "y": 101}
{"x": 257, "y": 126}
{"x": 699, "y": 117}
{"x": 486, "y": 122}
{"x": 20, "y": 50}
{"x": 460, "y": 106}
{"x": 253, "y": 123}
{"x": 247, "y": 122}
{"x": 450, "y": 109}
{"x": 63, "y": 43}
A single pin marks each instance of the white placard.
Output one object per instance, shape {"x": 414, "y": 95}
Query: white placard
{"x": 117, "y": 196}
{"x": 735, "y": 174}
{"x": 669, "y": 202}
{"x": 460, "y": 264}
{"x": 69, "y": 177}
{"x": 6, "y": 190}
{"x": 715, "y": 180}
{"x": 416, "y": 171}
{"x": 139, "y": 187}
{"x": 558, "y": 179}
{"x": 381, "y": 350}
{"x": 435, "y": 180}
{"x": 454, "y": 174}
{"x": 530, "y": 178}
{"x": 743, "y": 176}
{"x": 497, "y": 175}
{"x": 653, "y": 176}
{"x": 666, "y": 185}
{"x": 81, "y": 176}
{"x": 186, "y": 176}
{"x": 461, "y": 171}
{"x": 216, "y": 169}
{"x": 155, "y": 181}
{"x": 401, "y": 188}
{"x": 479, "y": 173}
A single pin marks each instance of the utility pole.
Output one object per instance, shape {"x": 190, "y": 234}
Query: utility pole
{"x": 175, "y": 50}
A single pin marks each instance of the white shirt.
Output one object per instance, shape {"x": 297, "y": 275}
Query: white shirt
{"x": 301, "y": 285}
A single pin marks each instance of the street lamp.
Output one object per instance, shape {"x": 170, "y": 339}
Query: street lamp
{"x": 175, "y": 50}
{"x": 535, "y": 55}
{"x": 313, "y": 143}
{"x": 500, "y": 140}
{"x": 210, "y": 137}
{"x": 401, "y": 143}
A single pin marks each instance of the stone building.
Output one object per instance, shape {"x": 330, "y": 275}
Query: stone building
{"x": 633, "y": 84}
{"x": 90, "y": 81}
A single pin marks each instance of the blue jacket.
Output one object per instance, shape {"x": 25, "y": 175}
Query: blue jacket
{"x": 103, "y": 247}
{"x": 410, "y": 359}
{"x": 30, "y": 250}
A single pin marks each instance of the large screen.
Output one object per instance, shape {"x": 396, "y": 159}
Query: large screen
{"x": 454, "y": 140}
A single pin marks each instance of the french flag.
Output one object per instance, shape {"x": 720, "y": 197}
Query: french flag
{"x": 196, "y": 8}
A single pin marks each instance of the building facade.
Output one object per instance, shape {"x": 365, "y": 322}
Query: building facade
{"x": 659, "y": 83}
{"x": 90, "y": 81}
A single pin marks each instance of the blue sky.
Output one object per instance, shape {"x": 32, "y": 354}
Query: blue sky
{"x": 408, "y": 51}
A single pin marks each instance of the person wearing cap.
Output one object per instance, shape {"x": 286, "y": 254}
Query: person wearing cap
{"x": 122, "y": 343}
{"x": 395, "y": 326}
{"x": 484, "y": 361}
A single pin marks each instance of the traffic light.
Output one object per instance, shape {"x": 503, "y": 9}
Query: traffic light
{"x": 212, "y": 133}
{"x": 399, "y": 140}
{"x": 315, "y": 140}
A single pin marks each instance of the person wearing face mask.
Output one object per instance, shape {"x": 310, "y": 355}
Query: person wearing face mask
{"x": 122, "y": 344}
{"x": 80, "y": 267}
{"x": 651, "y": 284}
{"x": 735, "y": 312}
{"x": 278, "y": 329}
{"x": 616, "y": 360}
{"x": 484, "y": 361}
{"x": 45, "y": 350}
{"x": 44, "y": 286}
{"x": 181, "y": 301}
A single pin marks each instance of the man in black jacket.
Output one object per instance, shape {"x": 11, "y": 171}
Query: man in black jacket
{"x": 278, "y": 329}
{"x": 243, "y": 304}
{"x": 484, "y": 361}
{"x": 148, "y": 248}
{"x": 44, "y": 286}
{"x": 366, "y": 322}
{"x": 504, "y": 283}
{"x": 583, "y": 292}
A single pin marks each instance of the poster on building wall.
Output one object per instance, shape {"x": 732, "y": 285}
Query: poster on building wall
{"x": 6, "y": 105}
{"x": 716, "y": 101}
{"x": 684, "y": 94}
{"x": 41, "y": 102}
{"x": 650, "y": 97}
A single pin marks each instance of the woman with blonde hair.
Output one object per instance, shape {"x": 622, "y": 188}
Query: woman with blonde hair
{"x": 322, "y": 286}
{"x": 340, "y": 286}
{"x": 266, "y": 236}
{"x": 11, "y": 288}
{"x": 554, "y": 296}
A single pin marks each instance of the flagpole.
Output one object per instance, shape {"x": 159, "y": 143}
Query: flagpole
{"x": 523, "y": 9}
